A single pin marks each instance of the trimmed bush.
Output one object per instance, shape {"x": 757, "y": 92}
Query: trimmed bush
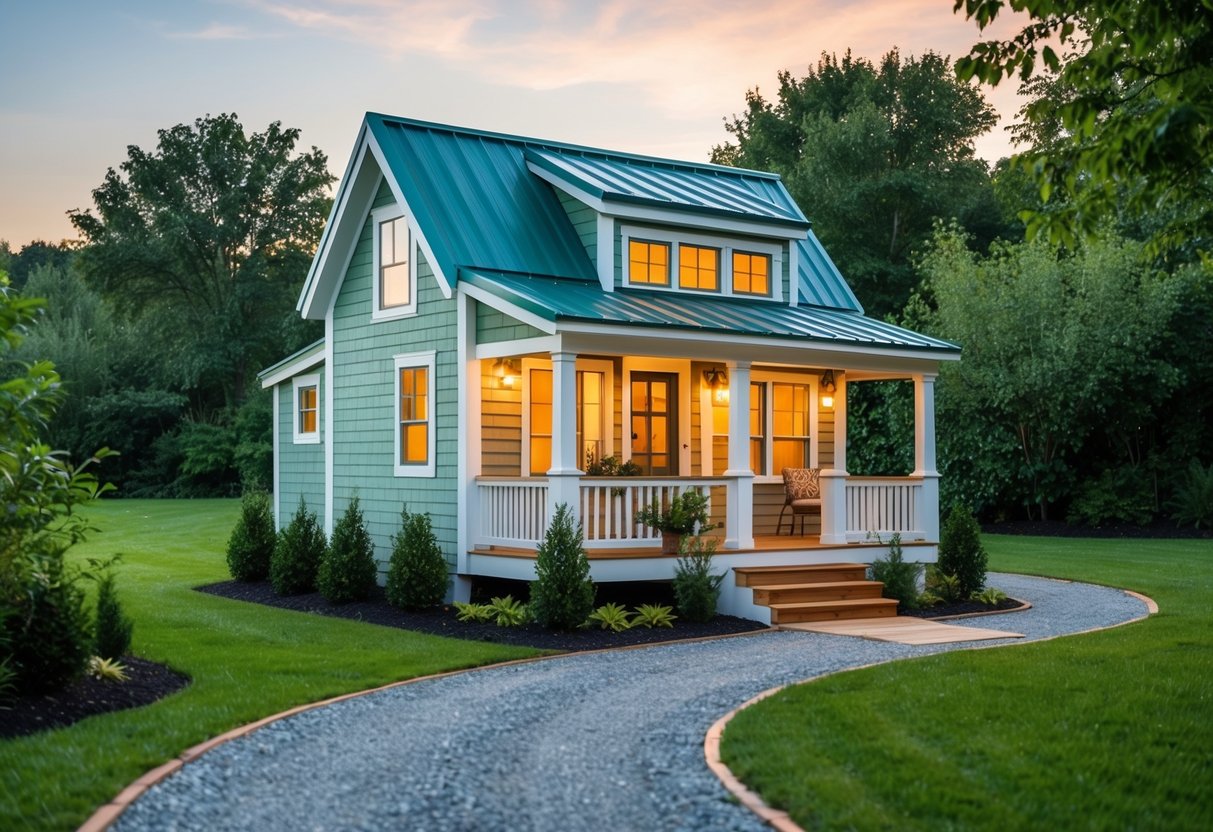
{"x": 297, "y": 554}
{"x": 1193, "y": 500}
{"x": 961, "y": 553}
{"x": 347, "y": 569}
{"x": 417, "y": 572}
{"x": 562, "y": 597}
{"x": 251, "y": 546}
{"x": 696, "y": 588}
{"x": 49, "y": 635}
{"x": 114, "y": 627}
{"x": 900, "y": 579}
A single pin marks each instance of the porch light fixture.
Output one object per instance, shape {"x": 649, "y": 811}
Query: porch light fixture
{"x": 827, "y": 389}
{"x": 505, "y": 372}
{"x": 718, "y": 383}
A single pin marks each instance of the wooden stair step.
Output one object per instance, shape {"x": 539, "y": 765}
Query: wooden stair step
{"x": 814, "y": 573}
{"x": 823, "y": 591}
{"x": 792, "y": 613}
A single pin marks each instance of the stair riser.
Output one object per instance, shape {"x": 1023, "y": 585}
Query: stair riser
{"x": 766, "y": 597}
{"x": 801, "y": 616}
{"x": 795, "y": 576}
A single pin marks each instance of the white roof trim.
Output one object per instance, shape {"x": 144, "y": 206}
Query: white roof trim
{"x": 289, "y": 371}
{"x": 501, "y": 305}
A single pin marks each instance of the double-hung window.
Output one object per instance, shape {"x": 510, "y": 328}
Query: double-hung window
{"x": 395, "y": 272}
{"x": 790, "y": 418}
{"x": 307, "y": 410}
{"x": 781, "y": 418}
{"x": 414, "y": 415}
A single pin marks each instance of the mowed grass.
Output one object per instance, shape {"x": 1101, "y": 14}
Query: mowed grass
{"x": 1108, "y": 730}
{"x": 245, "y": 661}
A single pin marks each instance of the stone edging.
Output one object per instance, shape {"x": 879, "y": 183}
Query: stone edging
{"x": 108, "y": 813}
{"x": 779, "y": 819}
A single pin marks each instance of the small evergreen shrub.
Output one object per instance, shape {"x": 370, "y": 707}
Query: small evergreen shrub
{"x": 114, "y": 628}
{"x": 961, "y": 553}
{"x": 251, "y": 546}
{"x": 347, "y": 569}
{"x": 696, "y": 587}
{"x": 49, "y": 634}
{"x": 1193, "y": 500}
{"x": 417, "y": 572}
{"x": 562, "y": 596}
{"x": 900, "y": 578}
{"x": 297, "y": 554}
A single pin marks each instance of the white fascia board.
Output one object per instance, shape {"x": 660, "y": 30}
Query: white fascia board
{"x": 517, "y": 312}
{"x": 444, "y": 284}
{"x": 304, "y": 362}
{"x": 523, "y": 346}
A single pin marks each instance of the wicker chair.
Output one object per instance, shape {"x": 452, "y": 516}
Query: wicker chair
{"x": 802, "y": 494}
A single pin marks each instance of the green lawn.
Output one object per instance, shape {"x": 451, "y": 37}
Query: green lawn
{"x": 1110, "y": 730}
{"x": 245, "y": 661}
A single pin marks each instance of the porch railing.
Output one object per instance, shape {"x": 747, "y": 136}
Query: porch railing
{"x": 884, "y": 506}
{"x": 513, "y": 511}
{"x": 609, "y": 506}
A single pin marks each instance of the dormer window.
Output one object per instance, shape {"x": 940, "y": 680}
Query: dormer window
{"x": 395, "y": 286}
{"x": 751, "y": 273}
{"x": 698, "y": 268}
{"x": 649, "y": 262}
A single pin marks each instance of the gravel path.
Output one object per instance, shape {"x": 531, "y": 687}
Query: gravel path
{"x": 604, "y": 741}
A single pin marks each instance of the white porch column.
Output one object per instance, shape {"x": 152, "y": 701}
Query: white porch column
{"x": 924, "y": 455}
{"x": 834, "y": 480}
{"x": 564, "y": 477}
{"x": 739, "y": 511}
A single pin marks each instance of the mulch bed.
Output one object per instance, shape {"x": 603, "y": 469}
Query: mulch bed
{"x": 87, "y": 697}
{"x": 963, "y": 608}
{"x": 441, "y": 621}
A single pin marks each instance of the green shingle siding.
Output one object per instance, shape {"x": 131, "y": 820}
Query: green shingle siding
{"x": 493, "y": 326}
{"x": 365, "y": 407}
{"x": 300, "y": 467}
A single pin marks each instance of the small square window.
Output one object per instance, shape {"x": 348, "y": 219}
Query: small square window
{"x": 649, "y": 262}
{"x": 751, "y": 273}
{"x": 698, "y": 268}
{"x": 306, "y": 409}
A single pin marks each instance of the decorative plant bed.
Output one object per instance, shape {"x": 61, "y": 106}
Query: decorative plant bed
{"x": 959, "y": 608}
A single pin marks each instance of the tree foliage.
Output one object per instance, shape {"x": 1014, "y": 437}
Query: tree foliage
{"x": 207, "y": 236}
{"x": 873, "y": 154}
{"x": 1122, "y": 120}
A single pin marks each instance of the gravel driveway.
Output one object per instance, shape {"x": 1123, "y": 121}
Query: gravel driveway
{"x": 602, "y": 741}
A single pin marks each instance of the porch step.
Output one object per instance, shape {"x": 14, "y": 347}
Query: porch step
{"x": 833, "y": 610}
{"x": 767, "y": 576}
{"x": 768, "y": 596}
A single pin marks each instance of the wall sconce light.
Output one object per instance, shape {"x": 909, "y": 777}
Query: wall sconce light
{"x": 827, "y": 389}
{"x": 505, "y": 372}
{"x": 718, "y": 383}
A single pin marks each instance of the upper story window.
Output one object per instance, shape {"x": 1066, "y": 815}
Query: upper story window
{"x": 751, "y": 273}
{"x": 414, "y": 415}
{"x": 649, "y": 262}
{"x": 698, "y": 267}
{"x": 307, "y": 409}
{"x": 395, "y": 271}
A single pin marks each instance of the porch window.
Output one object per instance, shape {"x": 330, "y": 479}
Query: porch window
{"x": 541, "y": 422}
{"x": 414, "y": 415}
{"x": 758, "y": 414}
{"x": 698, "y": 268}
{"x": 591, "y": 418}
{"x": 649, "y": 262}
{"x": 790, "y": 415}
{"x": 307, "y": 410}
{"x": 751, "y": 273}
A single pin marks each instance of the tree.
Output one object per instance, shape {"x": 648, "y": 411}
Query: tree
{"x": 873, "y": 154}
{"x": 562, "y": 595}
{"x": 347, "y": 567}
{"x": 207, "y": 236}
{"x": 1129, "y": 105}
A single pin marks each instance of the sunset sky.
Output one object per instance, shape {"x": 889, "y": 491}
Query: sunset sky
{"x": 82, "y": 80}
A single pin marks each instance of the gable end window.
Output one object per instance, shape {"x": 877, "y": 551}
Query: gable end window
{"x": 414, "y": 415}
{"x": 306, "y": 391}
{"x": 395, "y": 272}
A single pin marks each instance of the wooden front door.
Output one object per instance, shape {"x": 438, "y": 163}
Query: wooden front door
{"x": 655, "y": 423}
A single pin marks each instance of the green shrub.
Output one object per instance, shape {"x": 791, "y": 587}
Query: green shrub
{"x": 474, "y": 613}
{"x": 900, "y": 578}
{"x": 653, "y": 615}
{"x": 696, "y": 588}
{"x": 417, "y": 572}
{"x": 1193, "y": 500}
{"x": 990, "y": 596}
{"x": 49, "y": 635}
{"x": 612, "y": 617}
{"x": 251, "y": 546}
{"x": 297, "y": 554}
{"x": 509, "y": 613}
{"x": 8, "y": 681}
{"x": 562, "y": 596}
{"x": 1119, "y": 495}
{"x": 347, "y": 568}
{"x": 960, "y": 551}
{"x": 943, "y": 586}
{"x": 114, "y": 627}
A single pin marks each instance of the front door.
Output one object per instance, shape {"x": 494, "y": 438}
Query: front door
{"x": 655, "y": 423}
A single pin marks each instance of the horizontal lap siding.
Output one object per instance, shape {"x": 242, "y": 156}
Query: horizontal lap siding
{"x": 585, "y": 223}
{"x": 501, "y": 426}
{"x": 493, "y": 327}
{"x": 365, "y": 406}
{"x": 300, "y": 467}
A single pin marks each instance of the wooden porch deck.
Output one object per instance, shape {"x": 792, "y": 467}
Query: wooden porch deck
{"x": 762, "y": 544}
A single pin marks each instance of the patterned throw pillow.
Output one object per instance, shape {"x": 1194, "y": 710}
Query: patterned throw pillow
{"x": 802, "y": 483}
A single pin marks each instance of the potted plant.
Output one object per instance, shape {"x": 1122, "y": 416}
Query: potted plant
{"x": 686, "y": 513}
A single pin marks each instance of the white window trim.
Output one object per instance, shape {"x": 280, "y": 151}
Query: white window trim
{"x": 381, "y": 215}
{"x": 766, "y": 378}
{"x": 593, "y": 365}
{"x": 298, "y": 383}
{"x": 725, "y": 245}
{"x": 415, "y": 360}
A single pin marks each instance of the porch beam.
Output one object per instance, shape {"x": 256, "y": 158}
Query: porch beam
{"x": 739, "y": 508}
{"x": 564, "y": 477}
{"x": 834, "y": 480}
{"x": 924, "y": 454}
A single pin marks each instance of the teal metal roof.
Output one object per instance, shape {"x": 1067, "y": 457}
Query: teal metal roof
{"x": 312, "y": 349}
{"x": 821, "y": 284}
{"x": 555, "y": 299}
{"x": 711, "y": 190}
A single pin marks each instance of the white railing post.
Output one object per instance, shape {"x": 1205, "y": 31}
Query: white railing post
{"x": 834, "y": 480}
{"x": 564, "y": 477}
{"x": 739, "y": 503}
{"x": 924, "y": 455}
